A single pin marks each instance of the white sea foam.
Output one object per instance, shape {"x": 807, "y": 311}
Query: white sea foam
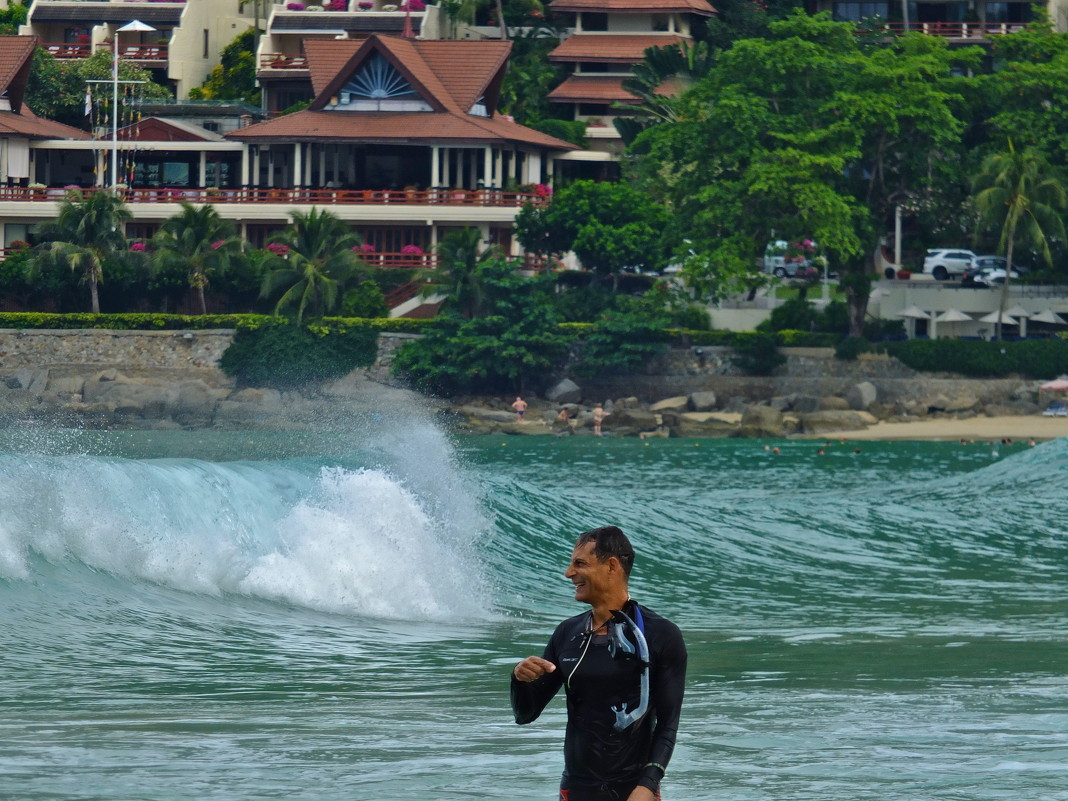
{"x": 351, "y": 541}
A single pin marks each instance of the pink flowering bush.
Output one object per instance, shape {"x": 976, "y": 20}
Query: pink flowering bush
{"x": 542, "y": 190}
{"x": 412, "y": 250}
{"x": 294, "y": 6}
{"x": 413, "y": 5}
{"x": 366, "y": 5}
{"x": 138, "y": 247}
{"x": 217, "y": 245}
{"x": 366, "y": 247}
{"x": 278, "y": 249}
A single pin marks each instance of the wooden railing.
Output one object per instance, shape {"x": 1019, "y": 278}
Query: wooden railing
{"x": 408, "y": 261}
{"x": 325, "y": 197}
{"x": 66, "y": 50}
{"x": 957, "y": 30}
{"x": 283, "y": 61}
{"x": 156, "y": 52}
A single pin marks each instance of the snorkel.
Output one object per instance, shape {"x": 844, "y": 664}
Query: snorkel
{"x": 619, "y": 647}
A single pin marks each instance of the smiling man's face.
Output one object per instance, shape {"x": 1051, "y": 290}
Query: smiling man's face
{"x": 593, "y": 579}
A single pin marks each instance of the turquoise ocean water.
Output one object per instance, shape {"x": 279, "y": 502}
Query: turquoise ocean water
{"x": 256, "y": 616}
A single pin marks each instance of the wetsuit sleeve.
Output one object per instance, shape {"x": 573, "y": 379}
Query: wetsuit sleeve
{"x": 668, "y": 681}
{"x": 530, "y": 697}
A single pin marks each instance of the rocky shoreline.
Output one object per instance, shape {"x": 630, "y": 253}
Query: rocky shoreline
{"x": 170, "y": 380}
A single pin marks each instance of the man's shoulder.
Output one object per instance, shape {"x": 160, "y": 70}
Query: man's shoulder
{"x": 571, "y": 623}
{"x": 658, "y": 627}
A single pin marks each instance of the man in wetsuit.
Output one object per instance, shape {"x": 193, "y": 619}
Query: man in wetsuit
{"x": 622, "y": 667}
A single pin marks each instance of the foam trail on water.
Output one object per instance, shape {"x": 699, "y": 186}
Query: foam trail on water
{"x": 353, "y": 541}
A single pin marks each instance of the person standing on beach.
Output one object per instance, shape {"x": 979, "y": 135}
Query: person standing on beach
{"x": 623, "y": 669}
{"x": 520, "y": 407}
{"x": 599, "y": 414}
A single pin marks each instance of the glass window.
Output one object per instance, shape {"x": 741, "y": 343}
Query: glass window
{"x": 855, "y": 12}
{"x": 594, "y": 21}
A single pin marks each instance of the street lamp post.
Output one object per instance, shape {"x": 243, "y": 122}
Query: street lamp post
{"x": 136, "y": 25}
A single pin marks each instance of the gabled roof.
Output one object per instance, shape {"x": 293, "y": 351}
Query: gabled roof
{"x": 624, "y": 48}
{"x": 451, "y": 76}
{"x": 154, "y": 129}
{"x": 16, "y": 52}
{"x": 326, "y": 58}
{"x": 701, "y": 7}
{"x": 16, "y": 55}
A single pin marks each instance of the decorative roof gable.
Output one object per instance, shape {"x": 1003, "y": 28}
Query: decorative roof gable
{"x": 16, "y": 53}
{"x": 375, "y": 69}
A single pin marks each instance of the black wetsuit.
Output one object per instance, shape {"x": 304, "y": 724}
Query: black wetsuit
{"x": 600, "y": 762}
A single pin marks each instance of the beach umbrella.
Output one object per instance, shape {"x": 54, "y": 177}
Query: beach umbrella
{"x": 1056, "y": 385}
{"x": 953, "y": 316}
{"x": 911, "y": 315}
{"x": 993, "y": 318}
{"x": 1048, "y": 316}
{"x": 913, "y": 312}
{"x": 1022, "y": 313}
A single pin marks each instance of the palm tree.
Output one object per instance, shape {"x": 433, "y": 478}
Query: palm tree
{"x": 677, "y": 66}
{"x": 313, "y": 259}
{"x": 198, "y": 240}
{"x": 1020, "y": 191}
{"x": 460, "y": 254}
{"x": 86, "y": 232}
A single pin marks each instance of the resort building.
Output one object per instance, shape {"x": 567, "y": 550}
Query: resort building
{"x": 608, "y": 38}
{"x": 402, "y": 140}
{"x": 180, "y": 46}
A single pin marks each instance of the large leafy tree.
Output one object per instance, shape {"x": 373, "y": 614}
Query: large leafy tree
{"x": 234, "y": 77}
{"x": 311, "y": 262}
{"x": 1020, "y": 192}
{"x": 805, "y": 133}
{"x": 198, "y": 241}
{"x": 84, "y": 235}
{"x": 56, "y": 88}
{"x": 516, "y": 338}
{"x": 609, "y": 226}
{"x": 657, "y": 81}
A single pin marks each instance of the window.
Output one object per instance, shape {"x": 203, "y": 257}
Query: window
{"x": 854, "y": 12}
{"x": 594, "y": 21}
{"x": 16, "y": 232}
{"x": 593, "y": 109}
{"x": 660, "y": 22}
{"x": 377, "y": 86}
{"x": 207, "y": 42}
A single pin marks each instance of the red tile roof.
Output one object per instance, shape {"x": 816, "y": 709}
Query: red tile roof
{"x": 624, "y": 48}
{"x": 16, "y": 53}
{"x": 450, "y": 75}
{"x": 701, "y": 7}
{"x": 592, "y": 89}
{"x": 378, "y": 127}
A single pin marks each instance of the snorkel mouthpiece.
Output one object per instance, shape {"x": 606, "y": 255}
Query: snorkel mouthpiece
{"x": 620, "y": 647}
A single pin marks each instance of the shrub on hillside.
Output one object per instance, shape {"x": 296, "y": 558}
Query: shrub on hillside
{"x": 758, "y": 355}
{"x": 286, "y": 356}
{"x": 1031, "y": 358}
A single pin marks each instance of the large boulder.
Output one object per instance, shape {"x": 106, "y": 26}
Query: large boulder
{"x": 761, "y": 421}
{"x": 829, "y": 421}
{"x": 679, "y": 403}
{"x": 702, "y": 401}
{"x": 832, "y": 403}
{"x": 564, "y": 391}
{"x": 704, "y": 424}
{"x": 806, "y": 404}
{"x": 861, "y": 396}
{"x": 484, "y": 415}
{"x": 638, "y": 419}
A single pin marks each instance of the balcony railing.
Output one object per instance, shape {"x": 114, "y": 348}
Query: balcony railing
{"x": 283, "y": 61}
{"x": 957, "y": 30}
{"x": 318, "y": 197}
{"x": 156, "y": 52}
{"x": 66, "y": 50}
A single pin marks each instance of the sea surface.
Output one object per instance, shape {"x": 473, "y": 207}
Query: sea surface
{"x": 232, "y": 616}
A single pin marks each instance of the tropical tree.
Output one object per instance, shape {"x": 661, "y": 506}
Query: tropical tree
{"x": 680, "y": 64}
{"x": 311, "y": 261}
{"x": 458, "y": 275}
{"x": 86, "y": 232}
{"x": 199, "y": 241}
{"x": 1020, "y": 191}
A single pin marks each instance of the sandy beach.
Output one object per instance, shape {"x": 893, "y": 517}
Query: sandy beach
{"x": 975, "y": 428}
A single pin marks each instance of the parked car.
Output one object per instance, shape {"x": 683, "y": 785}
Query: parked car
{"x": 993, "y": 277}
{"x": 944, "y": 262}
{"x": 971, "y": 276}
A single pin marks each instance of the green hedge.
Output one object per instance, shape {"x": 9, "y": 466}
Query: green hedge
{"x": 179, "y": 322}
{"x": 1030, "y": 358}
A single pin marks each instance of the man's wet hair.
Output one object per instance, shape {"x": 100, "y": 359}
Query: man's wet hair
{"x": 609, "y": 541}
